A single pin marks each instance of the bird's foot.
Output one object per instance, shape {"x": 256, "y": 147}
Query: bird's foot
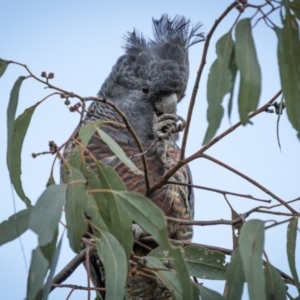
{"x": 166, "y": 124}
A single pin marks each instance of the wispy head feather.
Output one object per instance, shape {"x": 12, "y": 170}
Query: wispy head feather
{"x": 165, "y": 30}
{"x": 176, "y": 31}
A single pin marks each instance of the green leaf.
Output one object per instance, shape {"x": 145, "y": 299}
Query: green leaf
{"x": 37, "y": 273}
{"x": 118, "y": 151}
{"x": 169, "y": 278}
{"x": 3, "y": 66}
{"x": 246, "y": 59}
{"x": 295, "y": 6}
{"x": 233, "y": 70}
{"x": 251, "y": 248}
{"x": 16, "y": 225}
{"x": 291, "y": 250}
{"x": 218, "y": 85}
{"x": 118, "y": 221}
{"x": 204, "y": 263}
{"x": 235, "y": 277}
{"x": 97, "y": 206}
{"x": 47, "y": 286}
{"x": 275, "y": 287}
{"x": 208, "y": 294}
{"x": 47, "y": 212}
{"x": 115, "y": 264}
{"x": 146, "y": 214}
{"x": 201, "y": 262}
{"x": 182, "y": 273}
{"x": 75, "y": 205}
{"x": 16, "y": 131}
{"x": 289, "y": 63}
{"x": 73, "y": 152}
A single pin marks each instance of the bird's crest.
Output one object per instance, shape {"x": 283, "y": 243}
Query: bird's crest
{"x": 165, "y": 30}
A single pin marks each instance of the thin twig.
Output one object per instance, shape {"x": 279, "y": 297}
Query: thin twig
{"x": 198, "y": 154}
{"x": 218, "y": 191}
{"x": 68, "y": 270}
{"x": 251, "y": 181}
{"x": 77, "y": 287}
{"x": 199, "y": 73}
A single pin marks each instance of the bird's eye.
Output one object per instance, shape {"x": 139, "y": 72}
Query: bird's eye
{"x": 145, "y": 90}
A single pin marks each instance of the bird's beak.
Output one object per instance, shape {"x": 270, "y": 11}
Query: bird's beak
{"x": 166, "y": 105}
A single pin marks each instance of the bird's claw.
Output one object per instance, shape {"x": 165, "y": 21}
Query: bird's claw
{"x": 166, "y": 124}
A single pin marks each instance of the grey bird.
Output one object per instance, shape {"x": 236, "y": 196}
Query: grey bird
{"x": 146, "y": 83}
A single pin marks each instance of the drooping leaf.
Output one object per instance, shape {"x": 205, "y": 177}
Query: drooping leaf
{"x": 275, "y": 287}
{"x": 247, "y": 63}
{"x": 233, "y": 70}
{"x": 115, "y": 264}
{"x": 16, "y": 225}
{"x": 97, "y": 207}
{"x": 74, "y": 152}
{"x": 251, "y": 248}
{"x": 291, "y": 250}
{"x": 118, "y": 151}
{"x": 120, "y": 223}
{"x": 3, "y": 66}
{"x": 205, "y": 263}
{"x": 295, "y": 6}
{"x": 169, "y": 278}
{"x": 51, "y": 179}
{"x": 75, "y": 205}
{"x": 289, "y": 63}
{"x": 16, "y": 131}
{"x": 49, "y": 249}
{"x": 47, "y": 212}
{"x": 37, "y": 273}
{"x": 208, "y": 294}
{"x": 235, "y": 277}
{"x": 182, "y": 273}
{"x": 47, "y": 286}
{"x": 219, "y": 83}
{"x": 147, "y": 215}
{"x": 201, "y": 262}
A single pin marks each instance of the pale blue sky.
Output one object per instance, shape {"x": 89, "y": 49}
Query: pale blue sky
{"x": 80, "y": 41}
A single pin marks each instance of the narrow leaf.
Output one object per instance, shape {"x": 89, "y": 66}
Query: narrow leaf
{"x": 275, "y": 287}
{"x": 47, "y": 286}
{"x": 208, "y": 294}
{"x": 289, "y": 63}
{"x": 97, "y": 206}
{"x": 47, "y": 212}
{"x": 291, "y": 250}
{"x": 16, "y": 131}
{"x": 118, "y": 221}
{"x": 251, "y": 248}
{"x": 205, "y": 263}
{"x": 233, "y": 70}
{"x": 152, "y": 220}
{"x": 118, "y": 151}
{"x": 16, "y": 225}
{"x": 146, "y": 214}
{"x": 295, "y": 6}
{"x": 247, "y": 62}
{"x": 75, "y": 205}
{"x": 114, "y": 260}
{"x": 218, "y": 85}
{"x": 37, "y": 273}
{"x": 235, "y": 277}
{"x": 169, "y": 278}
{"x": 3, "y": 66}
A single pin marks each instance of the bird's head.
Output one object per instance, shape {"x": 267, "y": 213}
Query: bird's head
{"x": 152, "y": 76}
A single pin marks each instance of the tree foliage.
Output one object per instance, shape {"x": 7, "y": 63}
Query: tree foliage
{"x": 112, "y": 208}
